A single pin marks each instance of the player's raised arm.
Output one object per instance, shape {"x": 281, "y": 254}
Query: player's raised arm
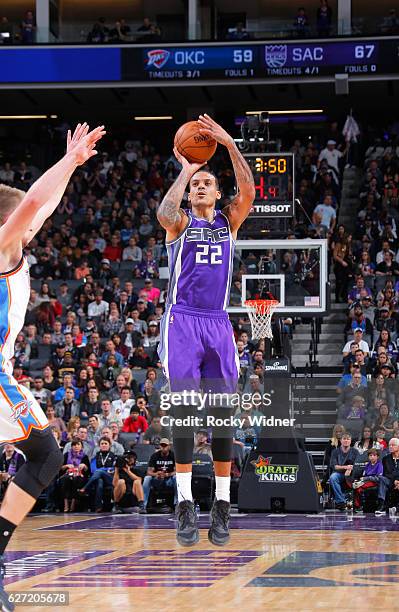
{"x": 238, "y": 210}
{"x": 20, "y": 221}
{"x": 169, "y": 214}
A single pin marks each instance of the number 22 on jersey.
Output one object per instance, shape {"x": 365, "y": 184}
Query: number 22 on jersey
{"x": 208, "y": 254}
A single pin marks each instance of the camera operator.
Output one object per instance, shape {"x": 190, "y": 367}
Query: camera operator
{"x": 127, "y": 485}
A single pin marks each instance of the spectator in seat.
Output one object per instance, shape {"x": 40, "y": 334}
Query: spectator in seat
{"x": 93, "y": 431}
{"x": 68, "y": 407}
{"x": 99, "y": 32}
{"x": 132, "y": 252}
{"x": 239, "y": 33}
{"x": 110, "y": 372}
{"x": 40, "y": 393}
{"x": 390, "y": 24}
{"x": 90, "y": 404}
{"x": 112, "y": 434}
{"x": 103, "y": 466}
{"x": 155, "y": 432}
{"x": 121, "y": 407}
{"x": 366, "y": 441}
{"x": 357, "y": 339}
{"x": 127, "y": 485}
{"x": 370, "y": 477}
{"x": 301, "y": 23}
{"x": 145, "y": 26}
{"x": 201, "y": 444}
{"x": 139, "y": 359}
{"x": 385, "y": 421}
{"x": 389, "y": 481}
{"x": 11, "y": 460}
{"x": 54, "y": 421}
{"x": 324, "y": 19}
{"x": 343, "y": 264}
{"x": 161, "y": 471}
{"x": 81, "y": 435}
{"x": 106, "y": 415}
{"x": 153, "y": 293}
{"x": 99, "y": 308}
{"x": 388, "y": 267}
{"x": 341, "y": 465}
{"x": 384, "y": 340}
{"x": 385, "y": 321}
{"x": 358, "y": 319}
{"x": 327, "y": 212}
{"x": 28, "y": 28}
{"x": 357, "y": 292}
{"x": 135, "y": 423}
{"x": 75, "y": 471}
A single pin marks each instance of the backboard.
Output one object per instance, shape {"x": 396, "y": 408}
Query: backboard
{"x": 292, "y": 271}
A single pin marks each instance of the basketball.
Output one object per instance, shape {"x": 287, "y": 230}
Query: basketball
{"x": 194, "y": 146}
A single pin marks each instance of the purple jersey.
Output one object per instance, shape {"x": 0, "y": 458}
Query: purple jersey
{"x": 201, "y": 264}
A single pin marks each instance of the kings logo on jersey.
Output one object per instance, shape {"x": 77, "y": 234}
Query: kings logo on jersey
{"x": 157, "y": 58}
{"x": 275, "y": 55}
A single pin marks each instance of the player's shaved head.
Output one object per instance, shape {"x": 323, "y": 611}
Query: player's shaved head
{"x": 10, "y": 198}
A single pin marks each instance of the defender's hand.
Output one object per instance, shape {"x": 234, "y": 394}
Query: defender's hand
{"x": 209, "y": 127}
{"x": 83, "y": 142}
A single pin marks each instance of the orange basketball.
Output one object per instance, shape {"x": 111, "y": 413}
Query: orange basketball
{"x": 194, "y": 146}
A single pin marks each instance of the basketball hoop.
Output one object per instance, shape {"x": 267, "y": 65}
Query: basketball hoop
{"x": 260, "y": 314}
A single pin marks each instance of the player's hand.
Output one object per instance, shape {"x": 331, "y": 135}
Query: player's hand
{"x": 209, "y": 127}
{"x": 83, "y": 142}
{"x": 187, "y": 166}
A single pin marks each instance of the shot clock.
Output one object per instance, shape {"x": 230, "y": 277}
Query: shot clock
{"x": 274, "y": 184}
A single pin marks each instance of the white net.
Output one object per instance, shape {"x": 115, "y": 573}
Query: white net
{"x": 260, "y": 314}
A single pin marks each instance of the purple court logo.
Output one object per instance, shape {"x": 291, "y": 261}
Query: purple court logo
{"x": 274, "y": 473}
{"x": 157, "y": 58}
{"x": 275, "y": 55}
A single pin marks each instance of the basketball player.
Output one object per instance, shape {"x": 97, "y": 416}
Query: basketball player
{"x": 197, "y": 342}
{"x": 22, "y": 421}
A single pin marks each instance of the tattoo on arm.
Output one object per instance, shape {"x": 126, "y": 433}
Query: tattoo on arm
{"x": 168, "y": 211}
{"x": 242, "y": 171}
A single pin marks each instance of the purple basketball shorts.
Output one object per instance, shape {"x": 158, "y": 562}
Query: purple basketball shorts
{"x": 198, "y": 351}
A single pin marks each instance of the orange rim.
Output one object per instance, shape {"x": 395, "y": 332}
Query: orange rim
{"x": 262, "y": 306}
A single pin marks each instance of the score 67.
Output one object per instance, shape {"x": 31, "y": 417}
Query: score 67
{"x": 364, "y": 51}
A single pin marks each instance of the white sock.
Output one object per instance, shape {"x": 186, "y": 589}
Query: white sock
{"x": 223, "y": 488}
{"x": 183, "y": 481}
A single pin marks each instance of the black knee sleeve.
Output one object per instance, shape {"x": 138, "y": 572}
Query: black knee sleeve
{"x": 222, "y": 435}
{"x": 183, "y": 435}
{"x": 43, "y": 462}
{"x": 222, "y": 449}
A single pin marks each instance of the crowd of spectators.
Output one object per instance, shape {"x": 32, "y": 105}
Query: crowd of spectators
{"x": 365, "y": 263}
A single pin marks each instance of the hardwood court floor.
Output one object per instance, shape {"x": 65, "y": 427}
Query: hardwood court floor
{"x": 132, "y": 562}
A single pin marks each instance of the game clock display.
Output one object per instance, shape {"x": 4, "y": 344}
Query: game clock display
{"x": 274, "y": 184}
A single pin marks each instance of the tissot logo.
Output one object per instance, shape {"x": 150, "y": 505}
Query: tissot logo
{"x": 272, "y": 208}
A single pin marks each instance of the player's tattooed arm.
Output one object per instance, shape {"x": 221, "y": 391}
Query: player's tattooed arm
{"x": 169, "y": 214}
{"x": 238, "y": 210}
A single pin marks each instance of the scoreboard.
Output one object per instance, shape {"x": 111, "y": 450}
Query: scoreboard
{"x": 263, "y": 61}
{"x": 274, "y": 184}
{"x": 169, "y": 64}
